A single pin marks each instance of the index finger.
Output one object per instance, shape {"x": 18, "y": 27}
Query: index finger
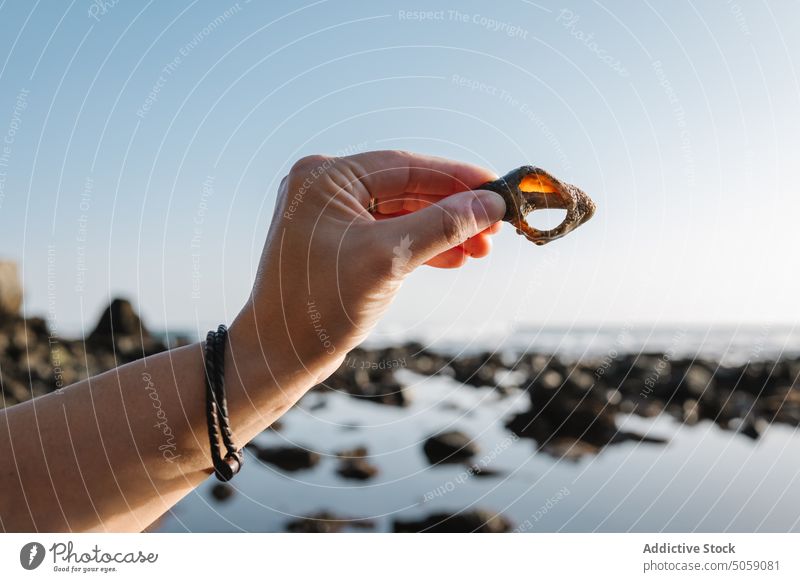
{"x": 393, "y": 173}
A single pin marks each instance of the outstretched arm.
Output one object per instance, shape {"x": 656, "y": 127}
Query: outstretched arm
{"x": 116, "y": 451}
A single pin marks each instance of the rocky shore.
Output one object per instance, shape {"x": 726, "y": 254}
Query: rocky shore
{"x": 34, "y": 360}
{"x": 573, "y": 406}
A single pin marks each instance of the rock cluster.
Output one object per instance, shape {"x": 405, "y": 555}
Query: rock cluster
{"x": 574, "y": 405}
{"x": 35, "y": 361}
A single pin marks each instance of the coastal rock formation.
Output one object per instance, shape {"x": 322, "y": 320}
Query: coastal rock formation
{"x": 121, "y": 330}
{"x": 369, "y": 375}
{"x": 477, "y": 370}
{"x": 35, "y": 361}
{"x": 574, "y": 407}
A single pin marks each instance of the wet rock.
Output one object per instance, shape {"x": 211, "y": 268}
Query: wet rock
{"x": 14, "y": 392}
{"x": 385, "y": 391}
{"x": 449, "y": 447}
{"x": 690, "y": 412}
{"x": 353, "y": 464}
{"x": 697, "y": 380}
{"x": 287, "y": 458}
{"x": 367, "y": 375}
{"x": 568, "y": 449}
{"x": 783, "y": 406}
{"x": 222, "y": 491}
{"x": 477, "y": 521}
{"x": 477, "y": 370}
{"x": 547, "y": 380}
{"x": 327, "y": 522}
{"x": 571, "y": 414}
{"x": 424, "y": 361}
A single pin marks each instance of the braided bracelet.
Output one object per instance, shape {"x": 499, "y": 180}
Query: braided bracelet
{"x": 217, "y": 408}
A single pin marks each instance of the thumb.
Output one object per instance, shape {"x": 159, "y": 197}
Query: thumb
{"x": 446, "y": 224}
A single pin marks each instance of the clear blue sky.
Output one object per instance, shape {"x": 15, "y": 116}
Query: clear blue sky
{"x": 680, "y": 119}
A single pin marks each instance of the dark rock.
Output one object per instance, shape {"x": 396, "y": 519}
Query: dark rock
{"x": 120, "y": 329}
{"x": 288, "y": 458}
{"x": 697, "y": 381}
{"x": 222, "y": 491}
{"x": 573, "y": 415}
{"x": 783, "y": 406}
{"x": 449, "y": 447}
{"x": 477, "y": 521}
{"x": 119, "y": 318}
{"x": 477, "y": 370}
{"x": 362, "y": 376}
{"x": 326, "y": 522}
{"x": 354, "y": 465}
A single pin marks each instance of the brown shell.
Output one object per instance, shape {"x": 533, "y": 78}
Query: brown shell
{"x": 527, "y": 189}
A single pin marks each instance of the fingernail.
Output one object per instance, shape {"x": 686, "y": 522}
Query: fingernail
{"x": 489, "y": 207}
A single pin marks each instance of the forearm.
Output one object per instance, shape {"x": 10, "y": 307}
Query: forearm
{"x": 116, "y": 451}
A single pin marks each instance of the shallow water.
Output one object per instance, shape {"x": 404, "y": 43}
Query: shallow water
{"x": 705, "y": 479}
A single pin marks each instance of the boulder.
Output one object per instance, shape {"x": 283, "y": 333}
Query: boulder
{"x": 119, "y": 319}
{"x": 222, "y": 491}
{"x": 120, "y": 330}
{"x": 449, "y": 447}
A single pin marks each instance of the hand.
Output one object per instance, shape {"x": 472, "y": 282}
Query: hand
{"x": 330, "y": 269}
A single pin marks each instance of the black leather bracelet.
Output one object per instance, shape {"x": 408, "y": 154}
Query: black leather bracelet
{"x": 217, "y": 408}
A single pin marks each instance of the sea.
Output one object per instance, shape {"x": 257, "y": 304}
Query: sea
{"x": 704, "y": 479}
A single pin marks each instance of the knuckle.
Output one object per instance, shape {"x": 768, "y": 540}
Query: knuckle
{"x": 305, "y": 172}
{"x": 307, "y": 164}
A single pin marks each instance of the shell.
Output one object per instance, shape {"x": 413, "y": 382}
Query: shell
{"x": 528, "y": 189}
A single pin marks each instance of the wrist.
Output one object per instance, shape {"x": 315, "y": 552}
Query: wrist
{"x": 266, "y": 372}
